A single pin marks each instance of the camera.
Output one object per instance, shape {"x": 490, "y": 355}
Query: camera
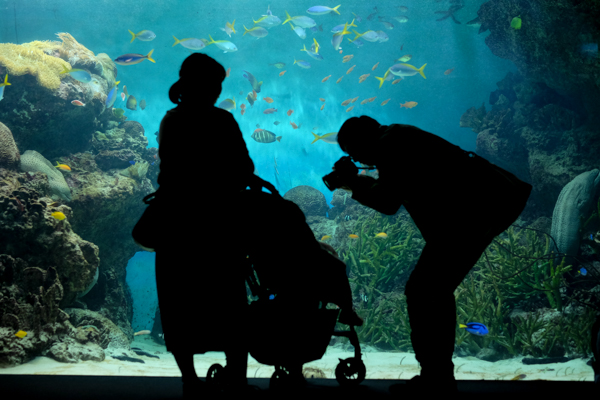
{"x": 344, "y": 169}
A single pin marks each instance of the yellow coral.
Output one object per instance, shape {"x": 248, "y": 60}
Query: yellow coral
{"x": 31, "y": 59}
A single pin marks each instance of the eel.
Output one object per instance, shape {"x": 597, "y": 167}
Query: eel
{"x": 573, "y": 204}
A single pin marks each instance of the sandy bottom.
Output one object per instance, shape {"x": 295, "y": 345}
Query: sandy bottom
{"x": 380, "y": 365}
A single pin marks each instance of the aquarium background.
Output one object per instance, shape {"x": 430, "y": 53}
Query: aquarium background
{"x": 490, "y": 87}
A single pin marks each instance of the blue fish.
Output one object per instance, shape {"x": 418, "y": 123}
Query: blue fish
{"x": 112, "y": 95}
{"x": 583, "y": 271}
{"x": 320, "y": 10}
{"x": 133, "y": 58}
{"x": 132, "y": 162}
{"x": 475, "y": 328}
{"x": 79, "y": 74}
{"x": 591, "y": 236}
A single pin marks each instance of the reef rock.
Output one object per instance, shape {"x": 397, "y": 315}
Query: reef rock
{"x": 310, "y": 200}
{"x": 9, "y": 153}
{"x": 37, "y": 106}
{"x": 109, "y": 334}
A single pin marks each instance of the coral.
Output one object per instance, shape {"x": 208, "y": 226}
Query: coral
{"x": 310, "y": 200}
{"x": 136, "y": 171}
{"x": 30, "y": 59}
{"x": 109, "y": 68}
{"x": 78, "y": 55}
{"x": 32, "y": 161}
{"x": 9, "y": 153}
{"x": 473, "y": 118}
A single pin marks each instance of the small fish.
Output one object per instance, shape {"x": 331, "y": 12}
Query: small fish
{"x": 78, "y": 103}
{"x": 475, "y": 328}
{"x": 388, "y": 25}
{"x": 293, "y": 125}
{"x": 330, "y": 137}
{"x": 353, "y": 236}
{"x": 222, "y": 44}
{"x": 327, "y": 77}
{"x": 326, "y": 237}
{"x": 131, "y": 103}
{"x": 516, "y": 22}
{"x": 349, "y": 108}
{"x": 253, "y": 81}
{"x": 144, "y": 332}
{"x": 268, "y": 99}
{"x": 365, "y": 101}
{"x": 409, "y": 104}
{"x": 229, "y": 28}
{"x": 302, "y": 20}
{"x": 133, "y": 58}
{"x": 322, "y": 99}
{"x": 282, "y": 72}
{"x": 448, "y": 71}
{"x": 21, "y": 334}
{"x": 144, "y": 36}
{"x": 405, "y": 58}
{"x": 143, "y": 104}
{"x": 299, "y": 31}
{"x": 269, "y": 111}
{"x": 375, "y": 66}
{"x": 62, "y": 166}
{"x": 302, "y": 63}
{"x": 191, "y": 43}
{"x": 242, "y": 106}
{"x": 242, "y": 110}
{"x": 276, "y": 123}
{"x": 346, "y": 102}
{"x": 322, "y": 107}
{"x": 227, "y": 104}
{"x": 278, "y": 65}
{"x": 582, "y": 271}
{"x": 265, "y": 136}
{"x": 402, "y": 19}
{"x": 362, "y": 78}
{"x": 321, "y": 10}
{"x": 122, "y": 96}
{"x": 354, "y": 99}
{"x": 290, "y": 112}
{"x": 381, "y": 235}
{"x": 350, "y": 70}
{"x": 79, "y": 74}
{"x": 132, "y": 162}
{"x": 340, "y": 79}
{"x": 385, "y": 102}
{"x": 371, "y": 99}
{"x": 519, "y": 377}
{"x": 227, "y": 72}
{"x": 58, "y": 215}
{"x": 396, "y": 81}
{"x": 258, "y": 31}
{"x": 3, "y": 85}
{"x": 347, "y": 58}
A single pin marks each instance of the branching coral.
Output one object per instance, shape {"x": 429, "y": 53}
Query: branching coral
{"x": 29, "y": 58}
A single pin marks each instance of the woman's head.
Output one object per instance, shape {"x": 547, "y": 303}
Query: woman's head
{"x": 357, "y": 137}
{"x": 200, "y": 79}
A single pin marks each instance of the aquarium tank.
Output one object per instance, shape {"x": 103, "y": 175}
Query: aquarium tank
{"x": 83, "y": 89}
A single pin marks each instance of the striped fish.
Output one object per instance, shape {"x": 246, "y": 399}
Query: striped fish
{"x": 265, "y": 136}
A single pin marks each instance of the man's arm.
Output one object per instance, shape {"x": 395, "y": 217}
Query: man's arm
{"x": 376, "y": 194}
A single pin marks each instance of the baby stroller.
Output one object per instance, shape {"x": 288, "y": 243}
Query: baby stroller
{"x": 291, "y": 325}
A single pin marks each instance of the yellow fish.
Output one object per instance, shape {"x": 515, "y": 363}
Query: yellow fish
{"x": 350, "y": 70}
{"x": 326, "y": 237}
{"x": 353, "y": 236}
{"x": 381, "y": 235}
{"x": 354, "y": 99}
{"x": 58, "y": 215}
{"x": 385, "y": 102}
{"x": 339, "y": 80}
{"x": 349, "y": 108}
{"x": 362, "y": 78}
{"x": 346, "y": 102}
{"x": 347, "y": 58}
{"x": 21, "y": 334}
{"x": 375, "y": 66}
{"x": 62, "y": 166}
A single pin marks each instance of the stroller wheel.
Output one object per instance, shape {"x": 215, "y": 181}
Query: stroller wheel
{"x": 350, "y": 372}
{"x": 215, "y": 374}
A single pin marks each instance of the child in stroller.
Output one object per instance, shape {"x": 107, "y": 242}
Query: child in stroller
{"x": 294, "y": 277}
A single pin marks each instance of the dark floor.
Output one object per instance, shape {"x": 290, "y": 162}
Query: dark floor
{"x": 22, "y": 387}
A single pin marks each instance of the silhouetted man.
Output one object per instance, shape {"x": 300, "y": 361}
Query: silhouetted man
{"x": 458, "y": 200}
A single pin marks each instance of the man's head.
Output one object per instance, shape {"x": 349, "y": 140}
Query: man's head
{"x": 200, "y": 79}
{"x": 357, "y": 137}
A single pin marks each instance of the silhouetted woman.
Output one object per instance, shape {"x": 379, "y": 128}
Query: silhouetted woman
{"x": 204, "y": 163}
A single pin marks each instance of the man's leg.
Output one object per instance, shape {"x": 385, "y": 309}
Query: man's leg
{"x": 431, "y": 306}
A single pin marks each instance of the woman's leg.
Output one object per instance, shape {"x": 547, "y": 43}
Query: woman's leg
{"x": 185, "y": 362}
